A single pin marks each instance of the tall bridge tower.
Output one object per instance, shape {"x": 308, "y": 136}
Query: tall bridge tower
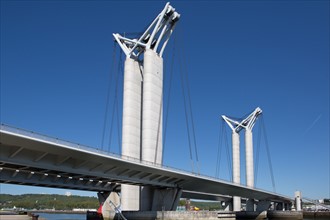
{"x": 143, "y": 100}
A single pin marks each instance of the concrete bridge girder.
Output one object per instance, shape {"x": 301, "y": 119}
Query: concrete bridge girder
{"x": 91, "y": 169}
{"x": 24, "y": 162}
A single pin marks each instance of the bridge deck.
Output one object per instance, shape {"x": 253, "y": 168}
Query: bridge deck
{"x": 31, "y": 159}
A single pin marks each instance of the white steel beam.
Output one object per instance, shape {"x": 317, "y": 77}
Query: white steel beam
{"x": 158, "y": 32}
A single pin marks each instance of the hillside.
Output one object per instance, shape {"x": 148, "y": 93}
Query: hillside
{"x": 44, "y": 201}
{"x": 62, "y": 202}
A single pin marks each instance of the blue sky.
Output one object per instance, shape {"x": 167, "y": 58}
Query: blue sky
{"x": 57, "y": 58}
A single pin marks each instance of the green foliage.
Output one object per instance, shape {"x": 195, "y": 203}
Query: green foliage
{"x": 211, "y": 206}
{"x": 182, "y": 202}
{"x": 37, "y": 201}
{"x": 202, "y": 205}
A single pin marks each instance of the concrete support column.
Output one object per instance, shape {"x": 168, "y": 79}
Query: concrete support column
{"x": 249, "y": 158}
{"x": 263, "y": 205}
{"x": 236, "y": 169}
{"x": 131, "y": 134}
{"x": 152, "y": 107}
{"x": 250, "y": 205}
{"x": 154, "y": 199}
{"x": 228, "y": 206}
{"x": 166, "y": 199}
{"x": 152, "y": 117}
{"x": 147, "y": 194}
{"x": 108, "y": 201}
{"x": 298, "y": 198}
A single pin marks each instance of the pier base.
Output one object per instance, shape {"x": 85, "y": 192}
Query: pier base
{"x": 250, "y": 205}
{"x": 156, "y": 199}
{"x": 263, "y": 205}
{"x": 210, "y": 215}
{"x": 294, "y": 215}
{"x": 108, "y": 201}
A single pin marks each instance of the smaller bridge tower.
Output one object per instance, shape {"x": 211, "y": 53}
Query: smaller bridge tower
{"x": 236, "y": 127}
{"x": 248, "y": 123}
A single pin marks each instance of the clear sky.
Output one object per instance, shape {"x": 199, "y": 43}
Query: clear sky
{"x": 57, "y": 58}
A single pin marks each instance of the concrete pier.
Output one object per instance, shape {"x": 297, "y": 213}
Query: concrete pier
{"x": 211, "y": 215}
{"x": 294, "y": 215}
{"x": 131, "y": 139}
{"x": 319, "y": 215}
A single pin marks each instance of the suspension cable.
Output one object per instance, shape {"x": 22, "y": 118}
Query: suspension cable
{"x": 192, "y": 122}
{"x": 257, "y": 155}
{"x": 223, "y": 139}
{"x": 268, "y": 154}
{"x": 169, "y": 94}
{"x": 108, "y": 95}
{"x": 189, "y": 112}
{"x": 187, "y": 120}
{"x": 217, "y": 170}
{"x": 186, "y": 114}
{"x": 119, "y": 127}
{"x": 115, "y": 98}
{"x": 228, "y": 155}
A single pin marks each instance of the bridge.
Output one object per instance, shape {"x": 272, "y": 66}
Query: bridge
{"x": 28, "y": 158}
{"x": 135, "y": 180}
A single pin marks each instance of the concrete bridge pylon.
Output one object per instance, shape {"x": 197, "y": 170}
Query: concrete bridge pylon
{"x": 236, "y": 127}
{"x": 143, "y": 102}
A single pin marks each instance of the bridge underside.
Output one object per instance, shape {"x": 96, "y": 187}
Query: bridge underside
{"x": 30, "y": 159}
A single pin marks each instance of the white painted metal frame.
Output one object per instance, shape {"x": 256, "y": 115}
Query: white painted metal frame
{"x": 236, "y": 127}
{"x": 162, "y": 27}
{"x": 246, "y": 123}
